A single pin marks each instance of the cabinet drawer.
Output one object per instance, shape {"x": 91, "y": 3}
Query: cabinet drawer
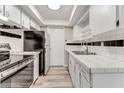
{"x": 1, "y": 9}
{"x": 13, "y": 13}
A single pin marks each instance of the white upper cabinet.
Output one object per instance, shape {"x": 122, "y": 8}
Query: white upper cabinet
{"x": 102, "y": 18}
{"x": 84, "y": 23}
{"x": 25, "y": 20}
{"x": 16, "y": 16}
{"x": 1, "y": 10}
{"x": 34, "y": 25}
{"x": 13, "y": 13}
{"x": 82, "y": 29}
{"x": 37, "y": 27}
{"x": 121, "y": 15}
{"x": 97, "y": 20}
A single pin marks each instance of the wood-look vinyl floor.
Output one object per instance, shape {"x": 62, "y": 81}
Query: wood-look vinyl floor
{"x": 57, "y": 77}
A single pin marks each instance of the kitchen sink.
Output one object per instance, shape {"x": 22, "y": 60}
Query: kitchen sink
{"x": 83, "y": 53}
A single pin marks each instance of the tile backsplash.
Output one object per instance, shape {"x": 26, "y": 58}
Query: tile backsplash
{"x": 112, "y": 52}
{"x": 14, "y": 37}
{"x": 7, "y": 34}
{"x": 109, "y": 44}
{"x": 113, "y": 49}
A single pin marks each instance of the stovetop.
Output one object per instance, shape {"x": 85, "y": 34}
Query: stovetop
{"x": 14, "y": 59}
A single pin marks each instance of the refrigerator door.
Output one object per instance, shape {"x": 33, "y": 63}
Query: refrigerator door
{"x": 47, "y": 52}
{"x": 47, "y": 59}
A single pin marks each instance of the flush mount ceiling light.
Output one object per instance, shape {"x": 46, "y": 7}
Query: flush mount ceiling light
{"x": 54, "y": 7}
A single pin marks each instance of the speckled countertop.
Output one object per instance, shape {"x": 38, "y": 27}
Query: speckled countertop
{"x": 27, "y": 53}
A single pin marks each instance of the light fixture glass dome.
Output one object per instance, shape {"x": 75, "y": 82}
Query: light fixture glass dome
{"x": 54, "y": 7}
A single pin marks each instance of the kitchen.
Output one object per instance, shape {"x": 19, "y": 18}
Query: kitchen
{"x": 61, "y": 46}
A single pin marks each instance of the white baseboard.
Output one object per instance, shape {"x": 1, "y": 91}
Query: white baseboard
{"x": 59, "y": 66}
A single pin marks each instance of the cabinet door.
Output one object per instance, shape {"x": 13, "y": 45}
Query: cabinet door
{"x": 25, "y": 20}
{"x": 69, "y": 66}
{"x": 72, "y": 69}
{"x": 77, "y": 75}
{"x": 36, "y": 67}
{"x": 1, "y": 9}
{"x": 13, "y": 13}
{"x": 102, "y": 18}
{"x": 37, "y": 27}
{"x": 121, "y": 16}
{"x": 47, "y": 59}
{"x": 84, "y": 82}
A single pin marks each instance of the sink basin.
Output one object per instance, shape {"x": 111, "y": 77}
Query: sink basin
{"x": 83, "y": 53}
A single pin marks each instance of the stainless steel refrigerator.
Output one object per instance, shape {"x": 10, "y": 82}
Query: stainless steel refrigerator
{"x": 39, "y": 41}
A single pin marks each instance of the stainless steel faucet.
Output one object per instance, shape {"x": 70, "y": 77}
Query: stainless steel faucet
{"x": 86, "y": 46}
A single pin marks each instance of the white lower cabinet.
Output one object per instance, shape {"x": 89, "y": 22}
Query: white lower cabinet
{"x": 1, "y": 10}
{"x": 74, "y": 70}
{"x": 83, "y": 78}
{"x": 36, "y": 67}
{"x": 79, "y": 75}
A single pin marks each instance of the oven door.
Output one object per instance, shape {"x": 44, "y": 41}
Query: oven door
{"x": 23, "y": 78}
{"x": 4, "y": 55}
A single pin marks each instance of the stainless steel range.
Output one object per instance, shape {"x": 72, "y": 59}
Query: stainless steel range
{"x": 4, "y": 54}
{"x": 15, "y": 70}
{"x": 4, "y": 58}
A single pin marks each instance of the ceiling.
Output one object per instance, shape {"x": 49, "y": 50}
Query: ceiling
{"x": 67, "y": 15}
{"x": 62, "y": 14}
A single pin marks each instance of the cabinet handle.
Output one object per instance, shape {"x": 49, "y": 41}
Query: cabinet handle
{"x": 117, "y": 23}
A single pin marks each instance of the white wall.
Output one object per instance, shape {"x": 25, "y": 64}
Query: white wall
{"x": 116, "y": 53}
{"x": 43, "y": 28}
{"x": 57, "y": 46}
{"x": 15, "y": 43}
{"x": 68, "y": 37}
{"x": 68, "y": 33}
{"x": 76, "y": 32}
